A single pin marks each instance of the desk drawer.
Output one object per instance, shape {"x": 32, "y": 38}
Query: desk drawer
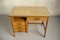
{"x": 17, "y": 19}
{"x": 18, "y": 23}
{"x": 19, "y": 28}
{"x": 37, "y": 18}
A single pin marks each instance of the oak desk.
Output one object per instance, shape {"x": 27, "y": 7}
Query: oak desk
{"x": 28, "y": 14}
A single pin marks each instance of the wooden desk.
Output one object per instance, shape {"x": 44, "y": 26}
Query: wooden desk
{"x": 25, "y": 14}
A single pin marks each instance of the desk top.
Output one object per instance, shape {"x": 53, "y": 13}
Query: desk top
{"x": 29, "y": 11}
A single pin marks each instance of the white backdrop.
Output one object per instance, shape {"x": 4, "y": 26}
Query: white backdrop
{"x": 52, "y": 5}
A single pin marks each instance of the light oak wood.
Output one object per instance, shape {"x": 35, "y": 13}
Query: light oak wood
{"x": 29, "y": 11}
{"x": 19, "y": 30}
{"x": 26, "y": 25}
{"x": 18, "y": 24}
{"x": 19, "y": 27}
{"x": 41, "y": 18}
{"x": 12, "y": 27}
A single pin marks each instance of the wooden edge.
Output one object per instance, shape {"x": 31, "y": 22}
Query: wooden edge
{"x": 46, "y": 25}
{"x": 45, "y": 28}
{"x": 12, "y": 26}
{"x": 26, "y": 25}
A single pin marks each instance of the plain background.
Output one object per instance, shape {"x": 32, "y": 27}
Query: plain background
{"x": 53, "y": 6}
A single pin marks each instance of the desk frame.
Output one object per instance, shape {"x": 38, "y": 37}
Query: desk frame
{"x": 45, "y": 27}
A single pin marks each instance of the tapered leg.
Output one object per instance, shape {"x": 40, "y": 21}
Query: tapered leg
{"x": 13, "y": 34}
{"x": 45, "y": 27}
{"x": 26, "y": 26}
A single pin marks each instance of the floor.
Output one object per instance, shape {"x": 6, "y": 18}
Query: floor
{"x": 53, "y": 30}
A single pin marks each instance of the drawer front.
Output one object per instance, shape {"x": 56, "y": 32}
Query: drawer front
{"x": 37, "y": 18}
{"x": 18, "y": 23}
{"x": 16, "y": 19}
{"x": 19, "y": 29}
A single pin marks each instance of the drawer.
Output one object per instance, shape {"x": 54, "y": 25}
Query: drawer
{"x": 18, "y": 23}
{"x": 19, "y": 30}
{"x": 37, "y": 18}
{"x": 16, "y": 19}
{"x": 19, "y": 27}
{"x": 22, "y": 30}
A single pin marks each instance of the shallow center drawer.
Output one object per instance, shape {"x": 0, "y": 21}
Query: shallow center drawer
{"x": 37, "y": 18}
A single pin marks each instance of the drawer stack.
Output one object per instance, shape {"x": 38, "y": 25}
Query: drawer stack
{"x": 18, "y": 24}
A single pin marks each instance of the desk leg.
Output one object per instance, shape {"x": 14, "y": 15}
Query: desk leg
{"x": 26, "y": 26}
{"x": 45, "y": 27}
{"x": 13, "y": 34}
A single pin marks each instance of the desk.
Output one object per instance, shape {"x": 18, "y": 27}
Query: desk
{"x": 25, "y": 15}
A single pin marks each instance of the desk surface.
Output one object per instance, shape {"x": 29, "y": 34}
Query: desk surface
{"x": 29, "y": 11}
